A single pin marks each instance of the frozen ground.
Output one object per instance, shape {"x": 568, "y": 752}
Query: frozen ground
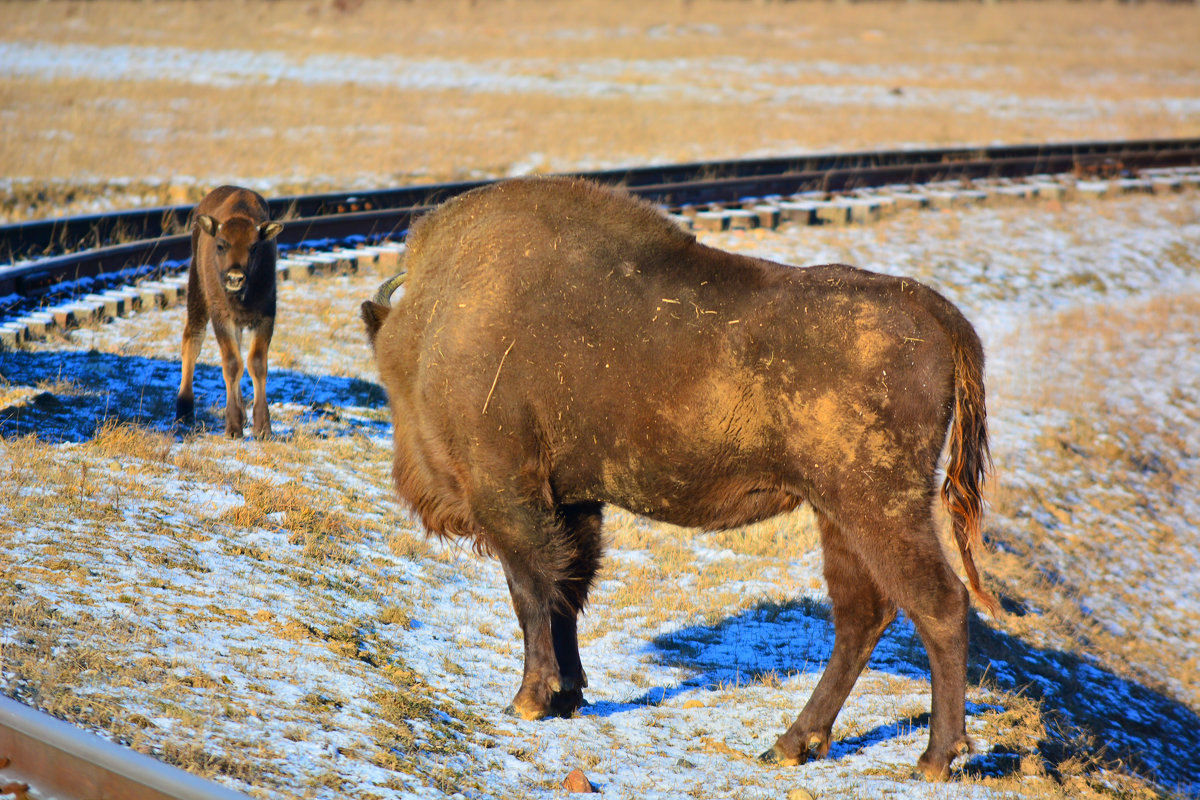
{"x": 265, "y": 600}
{"x": 704, "y": 80}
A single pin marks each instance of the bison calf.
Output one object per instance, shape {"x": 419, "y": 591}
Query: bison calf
{"x": 232, "y": 282}
{"x": 560, "y": 346}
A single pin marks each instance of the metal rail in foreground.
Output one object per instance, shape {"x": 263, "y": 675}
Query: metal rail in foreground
{"x": 43, "y": 757}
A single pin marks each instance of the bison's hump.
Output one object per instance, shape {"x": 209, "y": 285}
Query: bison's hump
{"x": 547, "y": 217}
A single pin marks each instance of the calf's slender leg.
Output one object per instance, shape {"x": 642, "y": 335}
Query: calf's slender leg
{"x": 228, "y": 336}
{"x": 193, "y": 339}
{"x": 259, "y": 343}
{"x": 860, "y": 616}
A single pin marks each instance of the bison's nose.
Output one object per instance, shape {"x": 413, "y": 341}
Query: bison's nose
{"x": 234, "y": 279}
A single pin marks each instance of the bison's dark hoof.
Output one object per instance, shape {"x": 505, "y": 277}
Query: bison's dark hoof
{"x": 527, "y": 711}
{"x": 936, "y": 766}
{"x": 775, "y": 758}
{"x": 561, "y": 704}
{"x": 816, "y": 748}
{"x": 932, "y": 772}
{"x": 565, "y": 704}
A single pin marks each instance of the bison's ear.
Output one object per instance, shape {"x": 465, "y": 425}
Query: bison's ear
{"x": 373, "y": 314}
{"x": 207, "y": 224}
{"x": 269, "y": 230}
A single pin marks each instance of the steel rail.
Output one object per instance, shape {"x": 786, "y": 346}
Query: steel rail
{"x": 44, "y": 757}
{"x": 387, "y": 213}
{"x": 55, "y": 236}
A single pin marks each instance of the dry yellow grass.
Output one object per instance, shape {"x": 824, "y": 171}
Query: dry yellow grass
{"x": 591, "y": 83}
{"x": 1095, "y": 515}
{"x": 305, "y": 511}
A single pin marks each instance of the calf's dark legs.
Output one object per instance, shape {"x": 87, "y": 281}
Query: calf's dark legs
{"x": 860, "y": 616}
{"x": 259, "y": 343}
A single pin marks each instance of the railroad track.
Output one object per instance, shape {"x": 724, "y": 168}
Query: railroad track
{"x": 42, "y": 758}
{"x": 66, "y": 272}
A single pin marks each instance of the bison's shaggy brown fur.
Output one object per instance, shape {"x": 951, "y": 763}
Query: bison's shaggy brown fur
{"x": 560, "y": 346}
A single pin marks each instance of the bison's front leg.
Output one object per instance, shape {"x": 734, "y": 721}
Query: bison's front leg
{"x": 258, "y": 376}
{"x": 229, "y": 340}
{"x": 549, "y": 566}
{"x": 581, "y": 528}
{"x": 543, "y": 684}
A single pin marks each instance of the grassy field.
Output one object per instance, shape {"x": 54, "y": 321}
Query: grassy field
{"x": 263, "y": 612}
{"x": 269, "y": 600}
{"x": 115, "y": 103}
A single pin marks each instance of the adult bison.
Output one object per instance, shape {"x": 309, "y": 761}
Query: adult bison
{"x": 560, "y": 346}
{"x": 232, "y": 281}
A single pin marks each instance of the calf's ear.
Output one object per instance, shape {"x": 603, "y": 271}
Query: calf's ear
{"x": 207, "y": 224}
{"x": 269, "y": 230}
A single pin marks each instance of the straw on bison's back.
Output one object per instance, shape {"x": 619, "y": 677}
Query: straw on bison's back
{"x": 560, "y": 346}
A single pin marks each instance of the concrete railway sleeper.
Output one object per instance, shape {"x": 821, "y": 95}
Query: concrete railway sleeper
{"x": 370, "y": 250}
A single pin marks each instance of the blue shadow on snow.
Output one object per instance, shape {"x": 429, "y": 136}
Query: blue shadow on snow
{"x": 82, "y": 390}
{"x": 1088, "y": 711}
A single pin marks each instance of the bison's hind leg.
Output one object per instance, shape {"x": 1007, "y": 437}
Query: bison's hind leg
{"x": 550, "y": 559}
{"x": 874, "y": 563}
{"x": 861, "y": 613}
{"x": 908, "y": 562}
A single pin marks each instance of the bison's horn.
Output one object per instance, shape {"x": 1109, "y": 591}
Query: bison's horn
{"x": 384, "y": 296}
{"x": 375, "y": 310}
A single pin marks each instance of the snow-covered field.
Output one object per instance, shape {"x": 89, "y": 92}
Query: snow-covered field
{"x": 715, "y": 81}
{"x": 264, "y": 613}
{"x": 120, "y": 104}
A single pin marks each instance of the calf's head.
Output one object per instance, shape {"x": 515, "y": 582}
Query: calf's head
{"x": 236, "y": 239}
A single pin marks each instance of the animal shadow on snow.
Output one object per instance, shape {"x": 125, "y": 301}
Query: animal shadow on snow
{"x": 82, "y": 390}
{"x": 1089, "y": 712}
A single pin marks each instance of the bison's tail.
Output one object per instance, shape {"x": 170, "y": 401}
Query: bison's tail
{"x": 375, "y": 310}
{"x": 969, "y": 458}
